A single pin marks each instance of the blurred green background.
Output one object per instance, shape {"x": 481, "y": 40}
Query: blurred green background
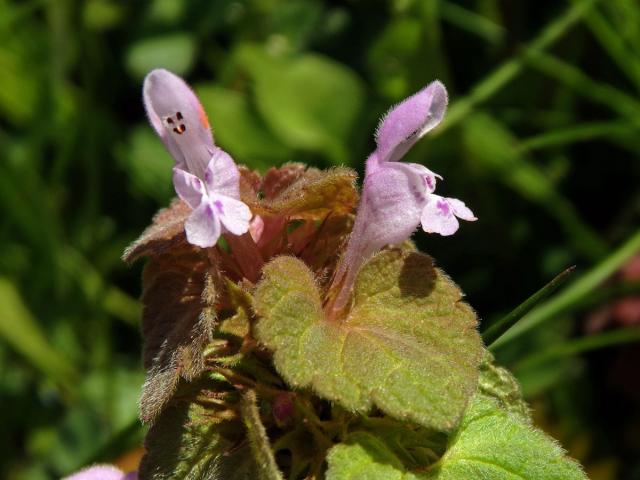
{"x": 542, "y": 140}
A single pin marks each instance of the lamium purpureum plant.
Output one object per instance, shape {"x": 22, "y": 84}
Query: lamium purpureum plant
{"x": 293, "y": 331}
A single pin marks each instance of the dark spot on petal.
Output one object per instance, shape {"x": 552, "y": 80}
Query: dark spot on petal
{"x": 443, "y": 208}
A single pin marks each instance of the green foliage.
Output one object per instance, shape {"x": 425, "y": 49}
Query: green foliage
{"x": 183, "y": 445}
{"x": 309, "y": 101}
{"x": 408, "y": 346}
{"x": 549, "y": 87}
{"x": 489, "y": 443}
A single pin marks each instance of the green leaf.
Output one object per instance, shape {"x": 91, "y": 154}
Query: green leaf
{"x": 313, "y": 195}
{"x": 20, "y": 329}
{"x": 490, "y": 444}
{"x": 148, "y": 164}
{"x": 309, "y": 101}
{"x": 365, "y": 457}
{"x": 408, "y": 346}
{"x": 177, "y": 323}
{"x": 239, "y": 130}
{"x": 498, "y": 382}
{"x": 493, "y": 444}
{"x": 175, "y": 52}
{"x": 182, "y": 445}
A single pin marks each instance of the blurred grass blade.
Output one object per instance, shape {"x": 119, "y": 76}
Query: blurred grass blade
{"x": 511, "y": 68}
{"x": 574, "y": 293}
{"x": 624, "y": 104}
{"x": 20, "y": 330}
{"x": 472, "y": 22}
{"x": 496, "y": 330}
{"x": 614, "y": 45}
{"x": 578, "y": 133}
{"x": 607, "y": 295}
{"x": 581, "y": 345}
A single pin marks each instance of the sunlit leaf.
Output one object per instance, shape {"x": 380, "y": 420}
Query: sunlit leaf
{"x": 408, "y": 346}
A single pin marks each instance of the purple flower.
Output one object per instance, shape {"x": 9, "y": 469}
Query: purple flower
{"x": 397, "y": 197}
{"x": 439, "y": 215}
{"x": 102, "y": 472}
{"x": 205, "y": 176}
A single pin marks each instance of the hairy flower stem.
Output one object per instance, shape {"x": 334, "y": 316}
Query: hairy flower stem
{"x": 258, "y": 439}
{"x": 246, "y": 254}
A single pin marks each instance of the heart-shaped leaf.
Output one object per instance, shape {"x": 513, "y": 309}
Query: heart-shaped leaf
{"x": 409, "y": 345}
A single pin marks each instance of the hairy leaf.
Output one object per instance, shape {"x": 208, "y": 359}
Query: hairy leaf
{"x": 192, "y": 442}
{"x": 494, "y": 444}
{"x": 311, "y": 195}
{"x": 499, "y": 383}
{"x": 409, "y": 344}
{"x": 177, "y": 321}
{"x": 365, "y": 456}
{"x": 166, "y": 231}
{"x": 183, "y": 444}
{"x": 490, "y": 443}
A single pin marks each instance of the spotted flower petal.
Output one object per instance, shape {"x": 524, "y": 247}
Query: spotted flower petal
{"x": 177, "y": 116}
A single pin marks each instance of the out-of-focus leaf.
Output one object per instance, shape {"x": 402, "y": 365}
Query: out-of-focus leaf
{"x": 19, "y": 92}
{"x": 102, "y": 14}
{"x": 296, "y": 21}
{"x": 239, "y": 130}
{"x": 309, "y": 101}
{"x": 408, "y": 346}
{"x": 148, "y": 165}
{"x": 506, "y": 72}
{"x": 391, "y": 55}
{"x": 472, "y": 22}
{"x": 22, "y": 332}
{"x": 175, "y": 52}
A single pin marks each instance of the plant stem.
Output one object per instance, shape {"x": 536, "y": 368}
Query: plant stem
{"x": 574, "y": 293}
{"x": 495, "y": 331}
